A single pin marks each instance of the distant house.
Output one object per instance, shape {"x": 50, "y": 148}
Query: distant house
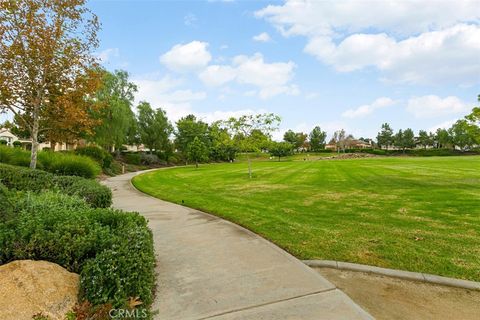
{"x": 349, "y": 144}
{"x": 7, "y": 135}
{"x": 358, "y": 144}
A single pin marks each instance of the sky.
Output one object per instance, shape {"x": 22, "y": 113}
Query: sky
{"x": 337, "y": 64}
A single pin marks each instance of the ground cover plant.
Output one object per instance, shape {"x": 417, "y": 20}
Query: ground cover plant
{"x": 411, "y": 213}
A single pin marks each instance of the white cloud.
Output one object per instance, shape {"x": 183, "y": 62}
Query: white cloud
{"x": 165, "y": 93}
{"x": 162, "y": 93}
{"x": 408, "y": 41}
{"x": 107, "y": 54}
{"x": 368, "y": 108}
{"x": 217, "y": 75}
{"x": 444, "y": 125}
{"x": 271, "y": 79}
{"x": 433, "y": 106}
{"x": 188, "y": 57}
{"x": 450, "y": 55}
{"x": 262, "y": 37}
{"x": 322, "y": 18}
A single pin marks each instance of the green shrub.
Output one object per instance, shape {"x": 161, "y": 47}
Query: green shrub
{"x": 25, "y": 179}
{"x": 98, "y": 154}
{"x": 6, "y": 207}
{"x": 91, "y": 191}
{"x": 133, "y": 158}
{"x": 112, "y": 250}
{"x": 17, "y": 144}
{"x": 379, "y": 152}
{"x": 149, "y": 159}
{"x": 131, "y": 259}
{"x": 14, "y": 156}
{"x": 61, "y": 163}
{"x": 20, "y": 178}
{"x": 69, "y": 164}
{"x": 3, "y": 142}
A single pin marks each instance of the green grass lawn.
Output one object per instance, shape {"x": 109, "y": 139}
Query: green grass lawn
{"x": 417, "y": 214}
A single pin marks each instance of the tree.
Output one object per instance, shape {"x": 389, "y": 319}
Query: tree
{"x": 474, "y": 118}
{"x": 317, "y": 139}
{"x": 222, "y": 147}
{"x": 247, "y": 128}
{"x": 408, "y": 139}
{"x": 45, "y": 53}
{"x": 339, "y": 139}
{"x": 425, "y": 139}
{"x": 116, "y": 118}
{"x": 301, "y": 141}
{"x": 290, "y": 137}
{"x": 398, "y": 139}
{"x": 475, "y": 115}
{"x": 281, "y": 149}
{"x": 464, "y": 134}
{"x": 296, "y": 139}
{"x": 385, "y": 136}
{"x": 189, "y": 128}
{"x": 153, "y": 127}
{"x": 404, "y": 139}
{"x": 197, "y": 151}
{"x": 443, "y": 138}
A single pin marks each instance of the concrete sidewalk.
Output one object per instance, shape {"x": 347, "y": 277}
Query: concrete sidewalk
{"x": 209, "y": 268}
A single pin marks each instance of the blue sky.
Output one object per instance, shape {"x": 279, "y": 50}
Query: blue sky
{"x": 340, "y": 64}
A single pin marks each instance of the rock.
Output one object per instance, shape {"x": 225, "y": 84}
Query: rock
{"x": 30, "y": 287}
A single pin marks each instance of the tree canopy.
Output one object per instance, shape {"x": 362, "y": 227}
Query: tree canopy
{"x": 153, "y": 127}
{"x": 317, "y": 139}
{"x": 385, "y": 136}
{"x": 46, "y": 65}
{"x": 115, "y": 118}
{"x": 197, "y": 151}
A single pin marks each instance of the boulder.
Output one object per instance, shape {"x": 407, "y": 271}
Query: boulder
{"x": 30, "y": 287}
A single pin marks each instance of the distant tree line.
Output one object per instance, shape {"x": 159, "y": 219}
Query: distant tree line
{"x": 108, "y": 120}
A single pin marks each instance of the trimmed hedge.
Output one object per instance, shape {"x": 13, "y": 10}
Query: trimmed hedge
{"x": 25, "y": 179}
{"x": 112, "y": 250}
{"x": 61, "y": 163}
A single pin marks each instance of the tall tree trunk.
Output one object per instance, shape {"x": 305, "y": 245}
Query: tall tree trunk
{"x": 33, "y": 158}
{"x": 249, "y": 166}
{"x": 196, "y": 164}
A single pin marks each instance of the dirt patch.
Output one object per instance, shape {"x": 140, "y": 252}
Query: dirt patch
{"x": 392, "y": 298}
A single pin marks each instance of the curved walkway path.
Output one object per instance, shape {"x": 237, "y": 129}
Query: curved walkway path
{"x": 209, "y": 268}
